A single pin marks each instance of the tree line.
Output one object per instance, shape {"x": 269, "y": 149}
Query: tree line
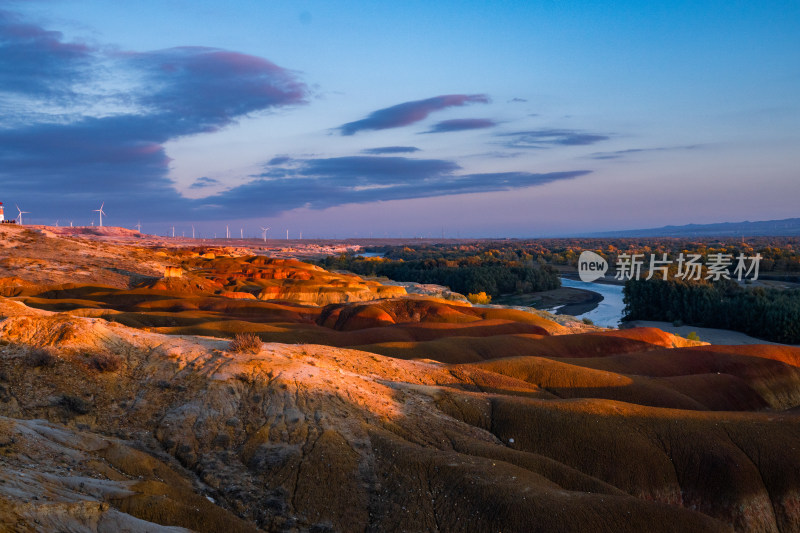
{"x": 766, "y": 313}
{"x": 463, "y": 275}
{"x": 780, "y": 255}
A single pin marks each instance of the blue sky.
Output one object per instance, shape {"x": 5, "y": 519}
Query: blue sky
{"x": 400, "y": 119}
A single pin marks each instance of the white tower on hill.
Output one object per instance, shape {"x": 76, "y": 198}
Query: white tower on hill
{"x": 2, "y": 216}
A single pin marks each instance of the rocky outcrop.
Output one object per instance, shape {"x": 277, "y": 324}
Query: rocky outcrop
{"x": 329, "y": 293}
{"x": 57, "y": 479}
{"x": 173, "y": 272}
{"x": 428, "y": 290}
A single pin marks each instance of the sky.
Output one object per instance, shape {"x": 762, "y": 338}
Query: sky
{"x": 399, "y": 119}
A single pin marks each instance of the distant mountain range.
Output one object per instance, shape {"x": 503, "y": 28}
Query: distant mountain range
{"x": 785, "y": 227}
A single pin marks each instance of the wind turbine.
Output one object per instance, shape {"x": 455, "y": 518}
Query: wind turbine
{"x": 241, "y": 233}
{"x": 138, "y": 226}
{"x": 192, "y": 231}
{"x": 265, "y": 230}
{"x": 101, "y": 213}
{"x": 20, "y": 214}
{"x": 227, "y": 232}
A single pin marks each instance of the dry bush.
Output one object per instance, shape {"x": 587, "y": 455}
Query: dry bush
{"x": 245, "y": 343}
{"x": 40, "y": 358}
{"x": 74, "y": 404}
{"x": 246, "y": 377}
{"x": 105, "y": 362}
{"x": 479, "y": 298}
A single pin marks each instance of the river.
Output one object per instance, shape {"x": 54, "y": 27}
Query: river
{"x": 608, "y": 313}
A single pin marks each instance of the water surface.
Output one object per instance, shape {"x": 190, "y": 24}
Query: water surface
{"x": 608, "y": 313}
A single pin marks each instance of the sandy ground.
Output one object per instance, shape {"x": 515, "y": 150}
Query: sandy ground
{"x": 710, "y": 335}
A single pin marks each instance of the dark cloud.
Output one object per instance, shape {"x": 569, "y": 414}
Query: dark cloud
{"x": 279, "y": 160}
{"x": 461, "y": 124}
{"x": 208, "y": 88}
{"x": 202, "y": 183}
{"x": 550, "y": 137}
{"x": 322, "y": 183}
{"x": 505, "y": 181}
{"x": 61, "y": 170}
{"x": 37, "y": 62}
{"x": 372, "y": 170}
{"x": 497, "y": 155}
{"x": 410, "y": 112}
{"x": 391, "y": 150}
{"x": 618, "y": 154}
{"x": 65, "y": 166}
{"x": 88, "y": 152}
{"x": 66, "y": 162}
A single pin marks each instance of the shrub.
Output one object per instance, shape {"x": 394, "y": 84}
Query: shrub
{"x": 693, "y": 336}
{"x": 479, "y": 298}
{"x": 75, "y": 404}
{"x": 105, "y": 362}
{"x": 587, "y": 321}
{"x": 245, "y": 377}
{"x": 40, "y": 358}
{"x": 245, "y": 343}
